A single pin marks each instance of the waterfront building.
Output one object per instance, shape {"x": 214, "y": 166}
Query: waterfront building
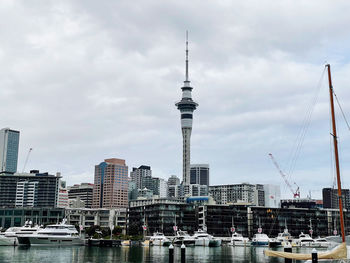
{"x": 88, "y": 217}
{"x": 110, "y": 184}
{"x": 252, "y": 194}
{"x": 272, "y": 195}
{"x": 162, "y": 216}
{"x": 19, "y": 188}
{"x": 26, "y": 193}
{"x": 155, "y": 200}
{"x": 199, "y": 174}
{"x": 83, "y": 191}
{"x": 331, "y": 200}
{"x": 301, "y": 203}
{"x": 163, "y": 188}
{"x": 9, "y": 142}
{"x": 10, "y": 217}
{"x": 186, "y": 107}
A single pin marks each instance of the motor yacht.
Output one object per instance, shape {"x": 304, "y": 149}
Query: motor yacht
{"x": 304, "y": 240}
{"x": 321, "y": 243}
{"x": 238, "y": 240}
{"x": 182, "y": 237}
{"x": 9, "y": 238}
{"x": 260, "y": 240}
{"x": 27, "y": 229}
{"x": 158, "y": 239}
{"x": 284, "y": 237}
{"x": 56, "y": 235}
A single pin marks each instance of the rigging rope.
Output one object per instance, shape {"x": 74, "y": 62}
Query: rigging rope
{"x": 341, "y": 109}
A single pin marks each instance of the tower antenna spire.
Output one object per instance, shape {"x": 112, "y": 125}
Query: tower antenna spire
{"x": 186, "y": 55}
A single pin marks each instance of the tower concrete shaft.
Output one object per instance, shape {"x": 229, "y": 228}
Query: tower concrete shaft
{"x": 186, "y": 107}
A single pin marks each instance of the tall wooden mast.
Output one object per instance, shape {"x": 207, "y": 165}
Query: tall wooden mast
{"x": 335, "y": 142}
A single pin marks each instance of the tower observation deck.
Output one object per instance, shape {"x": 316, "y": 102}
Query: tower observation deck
{"x": 186, "y": 106}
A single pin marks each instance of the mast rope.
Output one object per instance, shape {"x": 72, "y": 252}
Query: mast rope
{"x": 299, "y": 141}
{"x": 341, "y": 109}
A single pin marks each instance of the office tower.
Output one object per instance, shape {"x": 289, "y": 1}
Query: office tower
{"x": 138, "y": 176}
{"x": 83, "y": 191}
{"x": 186, "y": 107}
{"x": 9, "y": 141}
{"x": 173, "y": 186}
{"x": 62, "y": 198}
{"x": 199, "y": 174}
{"x": 110, "y": 184}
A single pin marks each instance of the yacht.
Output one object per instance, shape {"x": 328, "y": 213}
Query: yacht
{"x": 238, "y": 240}
{"x": 260, "y": 240}
{"x": 158, "y": 239}
{"x": 182, "y": 237}
{"x": 321, "y": 243}
{"x": 57, "y": 235}
{"x": 284, "y": 237}
{"x": 9, "y": 238}
{"x": 204, "y": 239}
{"x": 25, "y": 230}
{"x": 304, "y": 240}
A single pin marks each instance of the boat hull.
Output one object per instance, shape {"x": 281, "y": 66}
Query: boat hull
{"x": 260, "y": 243}
{"x": 55, "y": 241}
{"x": 202, "y": 242}
{"x": 215, "y": 243}
{"x": 8, "y": 241}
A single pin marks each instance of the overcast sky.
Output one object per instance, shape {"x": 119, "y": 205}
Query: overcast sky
{"x": 88, "y": 80}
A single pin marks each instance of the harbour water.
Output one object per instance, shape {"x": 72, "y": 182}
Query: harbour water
{"x": 133, "y": 254}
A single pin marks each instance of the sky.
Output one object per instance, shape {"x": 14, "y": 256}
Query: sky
{"x": 88, "y": 80}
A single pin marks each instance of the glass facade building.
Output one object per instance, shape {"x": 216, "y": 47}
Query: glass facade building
{"x": 9, "y": 142}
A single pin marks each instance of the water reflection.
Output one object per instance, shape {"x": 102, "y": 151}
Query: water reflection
{"x": 134, "y": 254}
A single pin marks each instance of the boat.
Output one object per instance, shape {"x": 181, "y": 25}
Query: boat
{"x": 26, "y": 229}
{"x": 304, "y": 240}
{"x": 339, "y": 252}
{"x": 182, "y": 237}
{"x": 9, "y": 238}
{"x": 239, "y": 241}
{"x": 260, "y": 239}
{"x": 321, "y": 243}
{"x": 54, "y": 235}
{"x": 202, "y": 238}
{"x": 158, "y": 239}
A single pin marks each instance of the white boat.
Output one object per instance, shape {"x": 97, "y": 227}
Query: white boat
{"x": 182, "y": 237}
{"x": 238, "y": 240}
{"x": 202, "y": 238}
{"x": 321, "y": 243}
{"x": 260, "y": 240}
{"x": 304, "y": 240}
{"x": 25, "y": 230}
{"x": 9, "y": 238}
{"x": 158, "y": 239}
{"x": 54, "y": 235}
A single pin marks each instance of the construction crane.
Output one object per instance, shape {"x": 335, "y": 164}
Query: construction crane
{"x": 25, "y": 163}
{"x": 295, "y": 193}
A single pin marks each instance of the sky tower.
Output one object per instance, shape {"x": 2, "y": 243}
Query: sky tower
{"x": 186, "y": 106}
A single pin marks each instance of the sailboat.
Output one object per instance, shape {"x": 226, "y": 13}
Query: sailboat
{"x": 340, "y": 251}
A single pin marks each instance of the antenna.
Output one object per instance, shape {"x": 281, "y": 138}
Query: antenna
{"x": 186, "y": 55}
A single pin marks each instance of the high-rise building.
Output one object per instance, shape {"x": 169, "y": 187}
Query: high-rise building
{"x": 199, "y": 174}
{"x": 331, "y": 199}
{"x": 186, "y": 107}
{"x": 173, "y": 180}
{"x": 62, "y": 198}
{"x": 272, "y": 195}
{"x": 9, "y": 141}
{"x": 111, "y": 184}
{"x": 83, "y": 191}
{"x": 27, "y": 189}
{"x": 138, "y": 175}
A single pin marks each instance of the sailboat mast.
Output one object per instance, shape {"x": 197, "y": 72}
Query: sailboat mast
{"x": 335, "y": 142}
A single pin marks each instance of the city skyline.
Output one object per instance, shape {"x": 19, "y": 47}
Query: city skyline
{"x": 87, "y": 81}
